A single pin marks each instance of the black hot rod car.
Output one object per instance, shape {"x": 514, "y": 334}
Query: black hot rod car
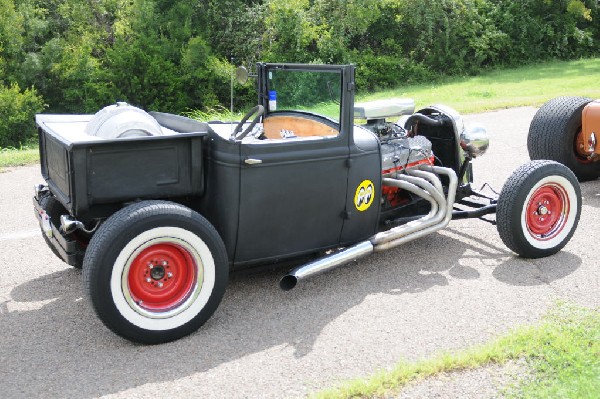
{"x": 157, "y": 209}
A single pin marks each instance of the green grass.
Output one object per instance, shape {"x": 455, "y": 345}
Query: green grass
{"x": 530, "y": 85}
{"x": 25, "y": 155}
{"x": 563, "y": 353}
{"x": 215, "y": 114}
{"x": 505, "y": 88}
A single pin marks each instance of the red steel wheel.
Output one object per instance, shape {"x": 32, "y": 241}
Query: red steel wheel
{"x": 547, "y": 211}
{"x": 162, "y": 276}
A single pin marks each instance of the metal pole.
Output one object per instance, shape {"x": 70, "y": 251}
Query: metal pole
{"x": 232, "y": 77}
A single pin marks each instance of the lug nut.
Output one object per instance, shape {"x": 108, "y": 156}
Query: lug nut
{"x": 148, "y": 279}
{"x": 160, "y": 284}
{"x": 164, "y": 263}
{"x": 169, "y": 274}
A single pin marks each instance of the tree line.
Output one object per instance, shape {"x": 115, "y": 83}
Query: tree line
{"x": 74, "y": 56}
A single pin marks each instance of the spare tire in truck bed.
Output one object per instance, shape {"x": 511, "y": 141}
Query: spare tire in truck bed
{"x": 122, "y": 120}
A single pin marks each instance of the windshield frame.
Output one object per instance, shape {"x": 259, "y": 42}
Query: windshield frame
{"x": 347, "y": 88}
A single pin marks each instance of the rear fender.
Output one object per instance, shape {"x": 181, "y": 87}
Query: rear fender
{"x": 591, "y": 127}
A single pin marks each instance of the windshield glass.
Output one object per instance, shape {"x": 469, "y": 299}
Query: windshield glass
{"x": 318, "y": 92}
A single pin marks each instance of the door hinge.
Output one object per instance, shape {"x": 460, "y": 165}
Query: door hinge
{"x": 351, "y": 86}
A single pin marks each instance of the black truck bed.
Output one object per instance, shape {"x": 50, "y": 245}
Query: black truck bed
{"x": 87, "y": 173}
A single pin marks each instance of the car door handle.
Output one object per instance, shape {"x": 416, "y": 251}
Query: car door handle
{"x": 252, "y": 161}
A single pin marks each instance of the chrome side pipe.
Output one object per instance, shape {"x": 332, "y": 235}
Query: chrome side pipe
{"x": 325, "y": 263}
{"x": 424, "y": 183}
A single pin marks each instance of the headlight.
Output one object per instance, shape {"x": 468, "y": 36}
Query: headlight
{"x": 474, "y": 140}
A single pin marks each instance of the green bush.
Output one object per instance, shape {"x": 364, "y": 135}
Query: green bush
{"x": 544, "y": 29}
{"x": 17, "y": 113}
{"x": 453, "y": 37}
{"x": 374, "y": 72}
{"x": 176, "y": 55}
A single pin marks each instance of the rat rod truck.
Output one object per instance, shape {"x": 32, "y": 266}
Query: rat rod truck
{"x": 157, "y": 209}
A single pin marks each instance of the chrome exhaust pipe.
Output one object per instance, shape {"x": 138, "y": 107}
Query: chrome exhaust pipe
{"x": 431, "y": 177}
{"x": 324, "y": 264}
{"x": 321, "y": 265}
{"x": 424, "y": 183}
{"x": 401, "y": 237}
{"x": 435, "y": 215}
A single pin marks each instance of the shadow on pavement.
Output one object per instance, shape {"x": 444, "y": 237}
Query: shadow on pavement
{"x": 517, "y": 271}
{"x": 66, "y": 344}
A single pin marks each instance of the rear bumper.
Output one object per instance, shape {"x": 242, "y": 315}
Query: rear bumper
{"x": 68, "y": 249}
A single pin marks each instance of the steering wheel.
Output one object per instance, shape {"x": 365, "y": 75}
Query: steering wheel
{"x": 259, "y": 110}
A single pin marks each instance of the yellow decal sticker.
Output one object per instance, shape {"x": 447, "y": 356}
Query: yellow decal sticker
{"x": 365, "y": 193}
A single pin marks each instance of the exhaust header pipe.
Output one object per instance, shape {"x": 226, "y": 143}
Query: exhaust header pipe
{"x": 424, "y": 183}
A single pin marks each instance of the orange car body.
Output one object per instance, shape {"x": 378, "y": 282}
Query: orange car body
{"x": 591, "y": 128}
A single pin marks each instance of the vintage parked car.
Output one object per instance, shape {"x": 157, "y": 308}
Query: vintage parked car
{"x": 159, "y": 208}
{"x": 567, "y": 130}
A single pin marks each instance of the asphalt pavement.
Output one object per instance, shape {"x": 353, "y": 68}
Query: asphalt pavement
{"x": 446, "y": 291}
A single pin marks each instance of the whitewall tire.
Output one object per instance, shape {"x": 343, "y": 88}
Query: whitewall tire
{"x": 155, "y": 271}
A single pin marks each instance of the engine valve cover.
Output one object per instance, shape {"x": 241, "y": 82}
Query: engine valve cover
{"x": 404, "y": 152}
